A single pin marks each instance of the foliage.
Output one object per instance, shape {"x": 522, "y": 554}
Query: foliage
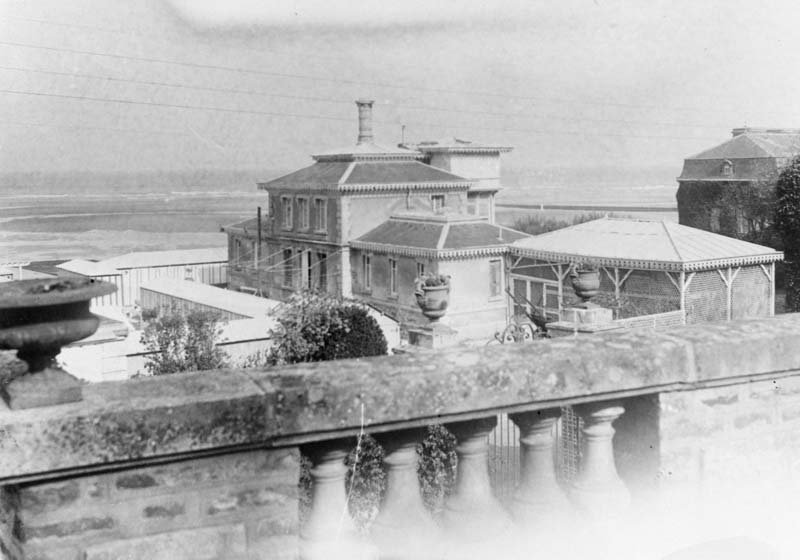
{"x": 742, "y": 210}
{"x": 431, "y": 280}
{"x": 365, "y": 482}
{"x": 437, "y": 466}
{"x": 585, "y": 266}
{"x": 314, "y": 327}
{"x": 183, "y": 342}
{"x": 536, "y": 224}
{"x": 787, "y": 222}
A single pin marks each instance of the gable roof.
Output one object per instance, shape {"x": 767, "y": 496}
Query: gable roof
{"x": 367, "y": 175}
{"x": 438, "y": 236}
{"x": 643, "y": 244}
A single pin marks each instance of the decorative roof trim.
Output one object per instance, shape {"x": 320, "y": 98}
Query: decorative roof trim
{"x": 671, "y": 266}
{"x": 464, "y": 149}
{"x": 406, "y": 251}
{"x": 719, "y": 179}
{"x": 368, "y": 187}
{"x": 368, "y": 157}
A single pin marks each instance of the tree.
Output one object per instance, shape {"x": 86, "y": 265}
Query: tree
{"x": 787, "y": 222}
{"x": 183, "y": 342}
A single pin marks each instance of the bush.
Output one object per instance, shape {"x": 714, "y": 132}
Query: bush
{"x": 317, "y": 327}
{"x": 183, "y": 342}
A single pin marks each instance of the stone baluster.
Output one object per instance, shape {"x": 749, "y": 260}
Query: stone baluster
{"x": 404, "y": 528}
{"x": 598, "y": 490}
{"x": 329, "y": 532}
{"x": 472, "y": 513}
{"x": 539, "y": 501}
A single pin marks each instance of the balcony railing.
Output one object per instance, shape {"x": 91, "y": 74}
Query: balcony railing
{"x": 651, "y": 384}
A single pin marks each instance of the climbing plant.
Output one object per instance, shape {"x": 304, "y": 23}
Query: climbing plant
{"x": 787, "y": 222}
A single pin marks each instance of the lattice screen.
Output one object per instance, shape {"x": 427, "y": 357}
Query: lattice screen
{"x": 568, "y": 445}
{"x": 706, "y": 298}
{"x": 750, "y": 296}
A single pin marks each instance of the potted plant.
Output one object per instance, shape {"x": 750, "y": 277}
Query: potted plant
{"x": 433, "y": 294}
{"x": 586, "y": 280}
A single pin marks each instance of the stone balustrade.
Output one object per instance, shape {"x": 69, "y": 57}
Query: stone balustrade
{"x": 205, "y": 465}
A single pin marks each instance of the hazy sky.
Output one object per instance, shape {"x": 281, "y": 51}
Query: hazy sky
{"x": 260, "y": 85}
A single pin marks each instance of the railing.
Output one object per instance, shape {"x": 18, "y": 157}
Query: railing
{"x": 322, "y": 407}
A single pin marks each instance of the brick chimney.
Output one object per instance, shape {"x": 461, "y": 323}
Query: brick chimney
{"x": 364, "y": 120}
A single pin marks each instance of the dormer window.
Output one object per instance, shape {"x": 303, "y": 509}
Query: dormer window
{"x": 727, "y": 168}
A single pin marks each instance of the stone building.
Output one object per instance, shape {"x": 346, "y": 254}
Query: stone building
{"x": 715, "y": 185}
{"x": 318, "y": 214}
{"x": 387, "y": 260}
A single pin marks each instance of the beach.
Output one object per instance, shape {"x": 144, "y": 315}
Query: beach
{"x": 98, "y": 218}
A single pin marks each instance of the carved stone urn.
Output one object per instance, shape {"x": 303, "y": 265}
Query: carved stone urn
{"x": 433, "y": 295}
{"x": 37, "y": 318}
{"x": 586, "y": 283}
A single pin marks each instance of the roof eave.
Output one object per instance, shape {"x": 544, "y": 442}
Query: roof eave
{"x": 642, "y": 264}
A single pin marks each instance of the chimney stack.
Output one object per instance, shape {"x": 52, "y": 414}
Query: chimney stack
{"x": 364, "y": 120}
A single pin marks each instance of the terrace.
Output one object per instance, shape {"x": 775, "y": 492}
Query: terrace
{"x": 689, "y": 434}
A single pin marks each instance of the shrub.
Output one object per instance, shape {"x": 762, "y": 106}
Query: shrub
{"x": 183, "y": 342}
{"x": 315, "y": 327}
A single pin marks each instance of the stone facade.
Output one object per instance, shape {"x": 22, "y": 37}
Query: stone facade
{"x": 714, "y": 184}
{"x": 236, "y": 506}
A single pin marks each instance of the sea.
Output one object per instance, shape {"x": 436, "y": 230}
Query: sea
{"x": 67, "y": 215}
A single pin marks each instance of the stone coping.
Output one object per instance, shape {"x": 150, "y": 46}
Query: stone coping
{"x": 185, "y": 415}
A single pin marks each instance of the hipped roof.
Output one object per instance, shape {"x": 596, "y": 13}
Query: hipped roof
{"x": 643, "y": 244}
{"x": 438, "y": 236}
{"x": 356, "y": 176}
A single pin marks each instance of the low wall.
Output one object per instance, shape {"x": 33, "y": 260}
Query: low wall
{"x": 191, "y": 465}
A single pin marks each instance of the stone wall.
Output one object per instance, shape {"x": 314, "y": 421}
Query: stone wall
{"x": 236, "y": 506}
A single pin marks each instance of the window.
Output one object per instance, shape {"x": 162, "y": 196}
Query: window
{"x": 287, "y": 267}
{"x": 495, "y": 279}
{"x": 437, "y": 202}
{"x": 305, "y": 268}
{"x": 392, "y": 276}
{"x": 286, "y": 203}
{"x": 321, "y": 214}
{"x": 366, "y": 271}
{"x": 420, "y": 269}
{"x": 237, "y": 251}
{"x": 478, "y": 204}
{"x": 322, "y": 262}
{"x": 302, "y": 213}
{"x": 727, "y": 168}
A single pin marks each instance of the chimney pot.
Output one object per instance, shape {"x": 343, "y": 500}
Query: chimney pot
{"x": 364, "y": 120}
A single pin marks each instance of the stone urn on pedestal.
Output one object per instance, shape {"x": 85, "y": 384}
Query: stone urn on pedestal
{"x": 433, "y": 295}
{"x": 586, "y": 282}
{"x": 585, "y": 317}
{"x": 37, "y": 318}
{"x": 432, "y": 292}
